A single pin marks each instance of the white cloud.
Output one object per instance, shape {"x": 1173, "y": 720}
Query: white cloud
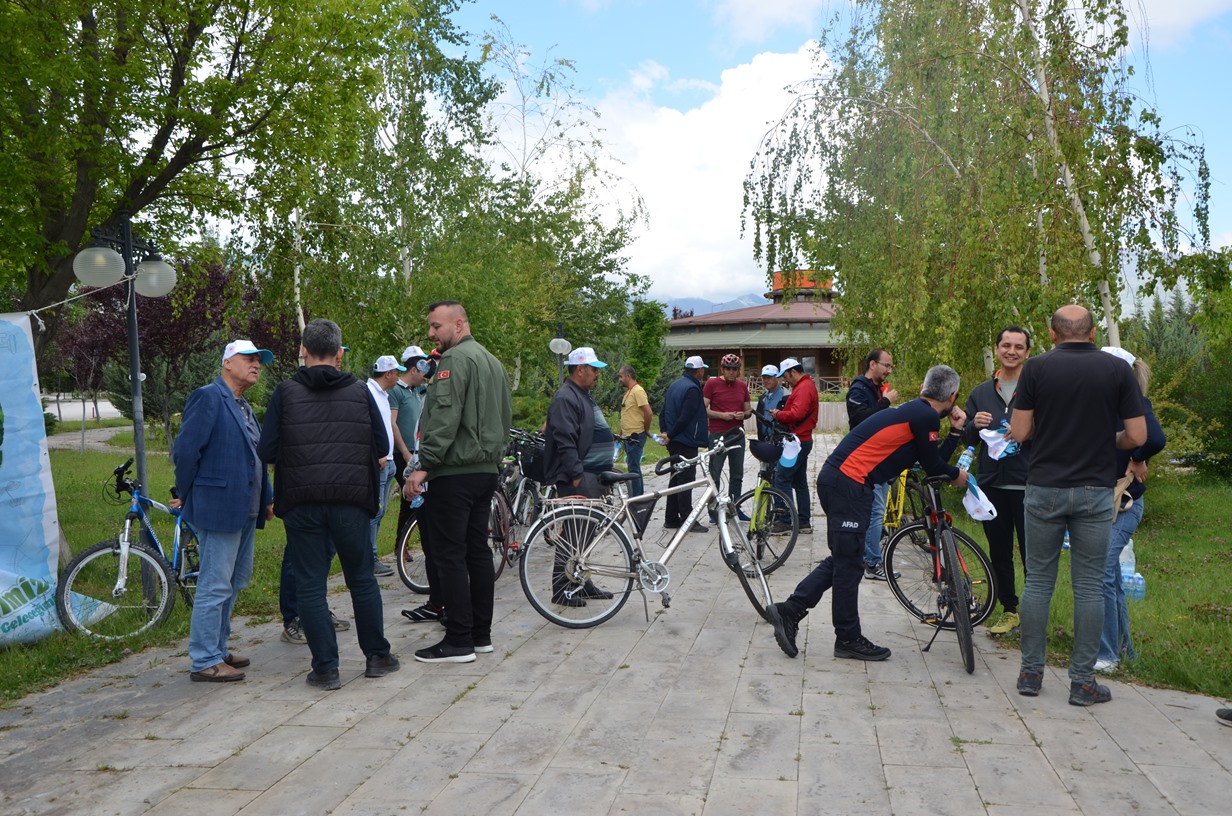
{"x": 689, "y": 165}
{"x": 754, "y": 20}
{"x": 1169, "y": 21}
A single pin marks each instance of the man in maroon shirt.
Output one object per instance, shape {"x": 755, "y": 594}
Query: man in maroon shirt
{"x": 727, "y": 406}
{"x": 799, "y": 414}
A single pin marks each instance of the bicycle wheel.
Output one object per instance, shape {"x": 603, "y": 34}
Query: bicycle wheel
{"x": 409, "y": 557}
{"x": 748, "y": 568}
{"x": 759, "y": 504}
{"x": 190, "y": 565}
{"x": 500, "y": 532}
{"x": 909, "y": 555}
{"x": 85, "y": 594}
{"x": 958, "y": 592}
{"x": 529, "y": 504}
{"x": 566, "y": 564}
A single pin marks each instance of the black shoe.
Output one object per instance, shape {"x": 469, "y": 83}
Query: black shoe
{"x": 780, "y": 528}
{"x": 328, "y": 680}
{"x": 381, "y": 665}
{"x": 860, "y": 648}
{"x": 422, "y": 614}
{"x": 667, "y": 525}
{"x": 483, "y": 646}
{"x": 592, "y": 592}
{"x": 698, "y": 527}
{"x": 785, "y": 628}
{"x": 573, "y": 601}
{"x": 444, "y": 653}
{"x": 1029, "y": 683}
{"x": 1085, "y": 694}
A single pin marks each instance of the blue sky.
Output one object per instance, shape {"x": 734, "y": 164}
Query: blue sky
{"x": 686, "y": 88}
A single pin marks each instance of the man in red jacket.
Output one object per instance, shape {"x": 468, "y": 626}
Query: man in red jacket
{"x": 799, "y": 414}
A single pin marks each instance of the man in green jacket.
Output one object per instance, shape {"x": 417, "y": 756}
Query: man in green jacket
{"x": 463, "y": 431}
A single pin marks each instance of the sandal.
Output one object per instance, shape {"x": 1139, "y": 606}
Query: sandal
{"x": 218, "y": 673}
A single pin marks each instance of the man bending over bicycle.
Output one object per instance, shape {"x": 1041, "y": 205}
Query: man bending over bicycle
{"x": 875, "y": 452}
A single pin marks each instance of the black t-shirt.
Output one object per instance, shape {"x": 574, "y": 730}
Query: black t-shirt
{"x": 1077, "y": 393}
{"x": 890, "y": 441}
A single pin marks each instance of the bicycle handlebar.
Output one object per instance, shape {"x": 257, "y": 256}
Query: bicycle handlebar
{"x": 677, "y": 462}
{"x": 775, "y": 425}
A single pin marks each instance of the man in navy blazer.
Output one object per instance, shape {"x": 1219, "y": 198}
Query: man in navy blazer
{"x": 225, "y": 493}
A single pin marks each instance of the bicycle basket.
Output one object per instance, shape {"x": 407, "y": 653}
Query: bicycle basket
{"x": 768, "y": 452}
{"x": 532, "y": 462}
{"x": 640, "y": 513}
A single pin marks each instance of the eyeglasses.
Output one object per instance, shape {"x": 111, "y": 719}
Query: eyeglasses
{"x": 885, "y": 365}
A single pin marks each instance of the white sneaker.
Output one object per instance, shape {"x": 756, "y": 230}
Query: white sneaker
{"x": 1106, "y": 666}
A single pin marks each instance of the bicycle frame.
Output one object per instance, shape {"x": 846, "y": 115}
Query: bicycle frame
{"x": 137, "y": 510}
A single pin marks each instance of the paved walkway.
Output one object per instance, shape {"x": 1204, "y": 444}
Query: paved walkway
{"x": 695, "y": 711}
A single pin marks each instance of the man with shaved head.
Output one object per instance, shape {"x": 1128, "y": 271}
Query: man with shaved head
{"x": 1065, "y": 412}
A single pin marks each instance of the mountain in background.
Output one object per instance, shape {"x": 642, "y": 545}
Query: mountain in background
{"x": 701, "y": 306}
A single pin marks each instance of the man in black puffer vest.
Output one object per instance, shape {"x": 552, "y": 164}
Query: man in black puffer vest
{"x": 326, "y": 440}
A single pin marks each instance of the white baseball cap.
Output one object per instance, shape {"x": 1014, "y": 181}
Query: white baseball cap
{"x": 584, "y": 355}
{"x": 695, "y": 362}
{"x": 790, "y": 362}
{"x": 246, "y": 347}
{"x": 1119, "y": 353}
{"x": 413, "y": 352}
{"x": 770, "y": 371}
{"x": 386, "y": 362}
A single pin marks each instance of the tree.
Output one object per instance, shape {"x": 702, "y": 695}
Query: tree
{"x": 175, "y": 110}
{"x": 964, "y": 165}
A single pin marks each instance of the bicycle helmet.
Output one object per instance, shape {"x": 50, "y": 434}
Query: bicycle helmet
{"x": 730, "y": 361}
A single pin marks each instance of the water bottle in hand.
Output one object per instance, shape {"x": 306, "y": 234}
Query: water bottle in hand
{"x": 966, "y": 458}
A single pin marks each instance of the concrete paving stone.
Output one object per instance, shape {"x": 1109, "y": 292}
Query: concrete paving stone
{"x": 380, "y": 730}
{"x": 319, "y": 784}
{"x": 1150, "y": 737}
{"x": 220, "y": 738}
{"x": 347, "y": 706}
{"x": 917, "y": 701}
{"x": 123, "y": 754}
{"x": 675, "y": 757}
{"x": 699, "y": 693}
{"x": 1029, "y": 810}
{"x": 489, "y": 794}
{"x": 417, "y": 772}
{"x": 200, "y": 802}
{"x": 923, "y": 789}
{"x": 481, "y": 711}
{"x": 269, "y": 759}
{"x": 981, "y": 696}
{"x": 521, "y": 746}
{"x": 1114, "y": 794}
{"x": 643, "y": 680}
{"x": 917, "y": 741}
{"x": 1192, "y": 791}
{"x": 737, "y": 796}
{"x": 846, "y": 778}
{"x": 568, "y": 696}
{"x": 833, "y": 719}
{"x": 571, "y": 790}
{"x": 657, "y": 804}
{"x": 770, "y": 694}
{"x": 837, "y": 677}
{"x": 607, "y": 736}
{"x": 1014, "y": 775}
{"x": 115, "y": 793}
{"x": 760, "y": 746}
{"x": 999, "y": 726}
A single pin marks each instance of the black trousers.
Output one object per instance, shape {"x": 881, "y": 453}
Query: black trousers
{"x": 1000, "y": 535}
{"x": 457, "y": 524}
{"x": 679, "y": 505}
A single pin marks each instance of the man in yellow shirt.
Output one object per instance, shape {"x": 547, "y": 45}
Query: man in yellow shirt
{"x": 635, "y": 417}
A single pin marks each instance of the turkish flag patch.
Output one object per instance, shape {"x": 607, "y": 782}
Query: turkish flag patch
{"x": 933, "y": 436}
{"x": 443, "y": 375}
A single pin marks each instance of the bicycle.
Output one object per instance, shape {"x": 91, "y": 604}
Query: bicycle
{"x": 940, "y": 575}
{"x": 905, "y": 503}
{"x": 95, "y": 596}
{"x": 522, "y": 463}
{"x": 765, "y": 505}
{"x": 408, "y": 551}
{"x": 583, "y": 557}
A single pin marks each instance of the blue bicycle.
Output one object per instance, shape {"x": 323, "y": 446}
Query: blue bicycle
{"x": 120, "y": 588}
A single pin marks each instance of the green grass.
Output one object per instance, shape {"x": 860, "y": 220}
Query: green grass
{"x": 87, "y": 517}
{"x": 1184, "y": 550}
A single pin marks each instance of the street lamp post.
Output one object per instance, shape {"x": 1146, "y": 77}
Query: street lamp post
{"x": 559, "y": 346}
{"x": 108, "y": 261}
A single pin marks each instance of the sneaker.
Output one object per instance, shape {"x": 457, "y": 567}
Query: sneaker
{"x": 1029, "y": 683}
{"x": 1224, "y": 715}
{"x": 806, "y": 528}
{"x": 340, "y": 625}
{"x": 1106, "y": 666}
{"x": 422, "y": 614}
{"x": 877, "y": 572}
{"x": 483, "y": 646}
{"x": 444, "y": 653}
{"x": 698, "y": 527}
{"x": 1085, "y": 694}
{"x": 785, "y": 628}
{"x": 592, "y": 592}
{"x": 1005, "y": 624}
{"x": 780, "y": 528}
{"x": 572, "y": 601}
{"x": 291, "y": 633}
{"x": 327, "y": 681}
{"x": 714, "y": 518}
{"x": 382, "y": 570}
{"x": 381, "y": 665}
{"x": 860, "y": 648}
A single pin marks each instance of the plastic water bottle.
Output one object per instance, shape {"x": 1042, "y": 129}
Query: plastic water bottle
{"x": 966, "y": 458}
{"x": 659, "y": 438}
{"x": 1065, "y": 543}
{"x": 1135, "y": 587}
{"x": 1128, "y": 563}
{"x": 417, "y": 502}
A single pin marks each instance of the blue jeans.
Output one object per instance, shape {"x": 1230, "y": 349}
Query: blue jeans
{"x": 387, "y": 476}
{"x": 1087, "y": 513}
{"x": 311, "y": 531}
{"x": 633, "y": 456}
{"x": 226, "y": 568}
{"x": 288, "y": 595}
{"x": 1115, "y": 638}
{"x": 872, "y": 537}
{"x": 795, "y": 480}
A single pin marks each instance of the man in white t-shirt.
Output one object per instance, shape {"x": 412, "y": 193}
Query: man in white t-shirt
{"x": 384, "y": 377}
